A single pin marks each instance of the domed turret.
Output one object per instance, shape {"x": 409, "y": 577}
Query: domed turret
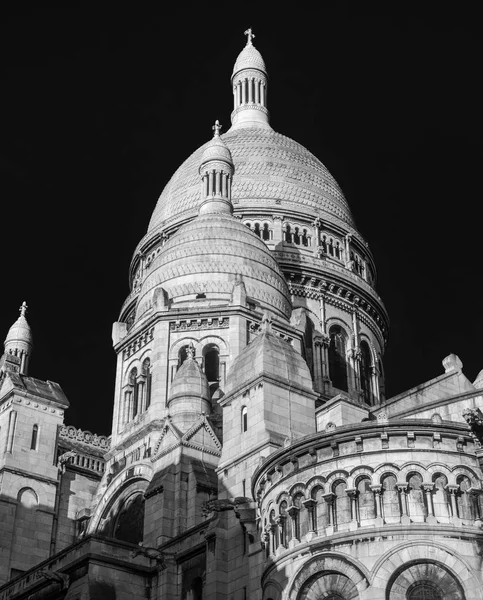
{"x": 190, "y": 393}
{"x": 249, "y": 82}
{"x": 19, "y": 341}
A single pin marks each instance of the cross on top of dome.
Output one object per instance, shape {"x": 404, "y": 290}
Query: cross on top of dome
{"x": 23, "y": 309}
{"x": 250, "y": 35}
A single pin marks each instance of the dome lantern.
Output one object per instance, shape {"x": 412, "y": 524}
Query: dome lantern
{"x": 249, "y": 81}
{"x": 19, "y": 340}
{"x": 216, "y": 170}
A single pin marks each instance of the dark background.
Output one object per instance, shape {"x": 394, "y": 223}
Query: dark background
{"x": 99, "y": 106}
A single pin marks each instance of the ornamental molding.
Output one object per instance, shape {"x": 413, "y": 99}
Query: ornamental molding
{"x": 138, "y": 343}
{"x": 199, "y": 324}
{"x": 72, "y": 434}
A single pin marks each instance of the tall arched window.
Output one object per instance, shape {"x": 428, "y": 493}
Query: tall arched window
{"x": 266, "y": 232}
{"x": 342, "y": 509}
{"x": 365, "y": 500}
{"x": 467, "y": 507}
{"x": 182, "y": 355}
{"x": 130, "y": 521}
{"x": 133, "y": 382}
{"x": 244, "y": 419}
{"x": 416, "y": 506}
{"x": 441, "y": 501}
{"x": 390, "y": 499}
{"x": 211, "y": 355}
{"x": 35, "y": 437}
{"x": 337, "y": 358}
{"x": 366, "y": 363}
{"x": 275, "y": 538}
{"x": 320, "y": 509}
{"x": 285, "y": 530}
{"x": 288, "y": 234}
{"x": 302, "y": 519}
{"x": 147, "y": 376}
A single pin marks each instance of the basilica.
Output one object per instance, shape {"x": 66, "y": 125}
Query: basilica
{"x": 254, "y": 454}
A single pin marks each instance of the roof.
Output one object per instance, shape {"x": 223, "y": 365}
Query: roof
{"x": 249, "y": 58}
{"x": 44, "y": 390}
{"x": 269, "y": 167}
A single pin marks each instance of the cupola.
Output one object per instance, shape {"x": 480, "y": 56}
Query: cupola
{"x": 249, "y": 81}
{"x": 216, "y": 170}
{"x": 19, "y": 341}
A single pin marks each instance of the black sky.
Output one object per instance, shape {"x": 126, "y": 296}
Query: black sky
{"x": 100, "y": 106}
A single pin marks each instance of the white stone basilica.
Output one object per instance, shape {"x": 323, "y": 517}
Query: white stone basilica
{"x": 253, "y": 452}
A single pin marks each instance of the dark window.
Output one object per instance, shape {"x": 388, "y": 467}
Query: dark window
{"x": 257, "y": 229}
{"x": 147, "y": 375}
{"x": 211, "y": 355}
{"x": 35, "y": 435}
{"x": 288, "y": 234}
{"x": 135, "y": 391}
{"x": 244, "y": 414}
{"x": 337, "y": 358}
{"x": 182, "y": 355}
{"x": 366, "y": 362}
{"x": 130, "y": 522}
{"x": 296, "y": 236}
{"x": 424, "y": 590}
{"x": 266, "y": 232}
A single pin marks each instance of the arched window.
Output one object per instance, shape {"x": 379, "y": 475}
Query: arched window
{"x": 257, "y": 229}
{"x": 331, "y": 246}
{"x": 211, "y": 355}
{"x": 320, "y": 510}
{"x": 35, "y": 437}
{"x": 441, "y": 501}
{"x": 337, "y": 358}
{"x": 342, "y": 509}
{"x": 365, "y": 364}
{"x": 337, "y": 250}
{"x": 288, "y": 234}
{"x": 305, "y": 238}
{"x": 467, "y": 506}
{"x": 416, "y": 506}
{"x": 147, "y": 375}
{"x": 182, "y": 355}
{"x": 365, "y": 500}
{"x": 130, "y": 521}
{"x": 244, "y": 419}
{"x": 323, "y": 243}
{"x": 275, "y": 537}
{"x": 266, "y": 232}
{"x": 424, "y": 590}
{"x": 390, "y": 499}
{"x": 285, "y": 530}
{"x": 133, "y": 382}
{"x": 302, "y": 525}
{"x": 296, "y": 236}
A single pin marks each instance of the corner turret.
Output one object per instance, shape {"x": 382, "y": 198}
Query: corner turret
{"x": 18, "y": 345}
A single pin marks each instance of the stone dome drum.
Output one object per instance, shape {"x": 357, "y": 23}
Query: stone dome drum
{"x": 206, "y": 256}
{"x": 271, "y": 170}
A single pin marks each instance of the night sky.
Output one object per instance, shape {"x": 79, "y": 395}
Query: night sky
{"x": 99, "y": 107}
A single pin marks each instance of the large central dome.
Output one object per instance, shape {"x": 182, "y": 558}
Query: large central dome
{"x": 270, "y": 168}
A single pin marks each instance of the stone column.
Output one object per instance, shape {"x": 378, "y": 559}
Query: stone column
{"x": 281, "y": 522}
{"x": 277, "y": 229}
{"x": 250, "y": 90}
{"x": 375, "y": 382}
{"x": 428, "y": 488}
{"x": 262, "y": 94}
{"x": 12, "y": 421}
{"x": 244, "y": 91}
{"x": 257, "y": 91}
{"x": 402, "y": 488}
{"x": 377, "y": 491}
{"x": 347, "y": 251}
{"x": 329, "y": 498}
{"x": 454, "y": 519}
{"x": 352, "y": 493}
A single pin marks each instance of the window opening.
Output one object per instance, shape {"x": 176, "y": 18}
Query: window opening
{"x": 33, "y": 441}
{"x": 337, "y": 358}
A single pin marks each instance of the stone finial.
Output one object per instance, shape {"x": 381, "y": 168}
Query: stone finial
{"x": 23, "y": 309}
{"x": 452, "y": 363}
{"x": 250, "y": 35}
{"x": 266, "y": 324}
{"x": 217, "y": 128}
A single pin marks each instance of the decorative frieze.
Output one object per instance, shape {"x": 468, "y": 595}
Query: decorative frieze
{"x": 70, "y": 433}
{"x": 139, "y": 343}
{"x": 200, "y": 324}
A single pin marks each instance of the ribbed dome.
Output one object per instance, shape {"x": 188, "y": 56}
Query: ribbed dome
{"x": 269, "y": 166}
{"x": 249, "y": 58}
{"x": 19, "y": 334}
{"x": 189, "y": 381}
{"x": 205, "y": 257}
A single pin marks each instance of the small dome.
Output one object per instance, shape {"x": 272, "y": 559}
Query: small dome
{"x": 206, "y": 256}
{"x": 189, "y": 381}
{"x": 249, "y": 58}
{"x": 216, "y": 149}
{"x": 19, "y": 335}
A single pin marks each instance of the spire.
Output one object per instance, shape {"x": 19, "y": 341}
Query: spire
{"x": 19, "y": 342}
{"x": 249, "y": 82}
{"x": 216, "y": 170}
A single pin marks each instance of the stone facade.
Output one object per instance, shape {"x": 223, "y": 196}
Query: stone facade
{"x": 253, "y": 452}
